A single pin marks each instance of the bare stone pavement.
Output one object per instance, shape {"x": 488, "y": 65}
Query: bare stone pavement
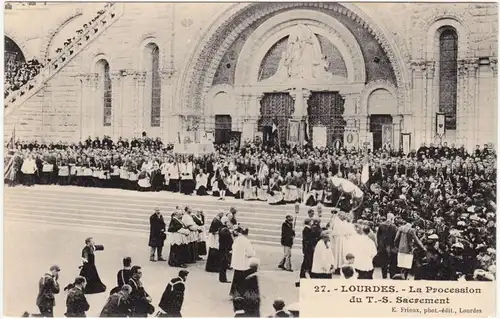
{"x": 31, "y": 248}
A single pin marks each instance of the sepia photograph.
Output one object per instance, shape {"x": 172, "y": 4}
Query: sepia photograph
{"x": 249, "y": 159}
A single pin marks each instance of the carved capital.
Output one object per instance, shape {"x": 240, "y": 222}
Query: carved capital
{"x": 140, "y": 76}
{"x": 167, "y": 74}
{"x": 430, "y": 69}
{"x": 461, "y": 68}
{"x": 471, "y": 65}
{"x": 494, "y": 66}
{"x": 116, "y": 76}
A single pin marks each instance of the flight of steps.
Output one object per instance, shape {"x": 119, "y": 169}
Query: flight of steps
{"x": 124, "y": 210}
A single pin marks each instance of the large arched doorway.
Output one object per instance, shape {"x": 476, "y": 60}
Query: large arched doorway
{"x": 244, "y": 51}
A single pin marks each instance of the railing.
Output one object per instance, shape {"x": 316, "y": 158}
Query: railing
{"x": 109, "y": 14}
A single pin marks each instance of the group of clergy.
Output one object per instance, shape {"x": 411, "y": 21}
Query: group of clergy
{"x": 329, "y": 247}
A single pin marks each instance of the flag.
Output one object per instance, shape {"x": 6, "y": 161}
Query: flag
{"x": 306, "y": 133}
{"x": 12, "y": 142}
{"x": 275, "y": 133}
{"x": 274, "y": 127}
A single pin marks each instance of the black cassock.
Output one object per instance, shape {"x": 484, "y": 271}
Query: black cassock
{"x": 251, "y": 294}
{"x": 178, "y": 251}
{"x": 213, "y": 262}
{"x": 89, "y": 271}
{"x": 173, "y": 298}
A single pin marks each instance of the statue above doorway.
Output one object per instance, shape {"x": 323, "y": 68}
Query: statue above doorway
{"x": 303, "y": 61}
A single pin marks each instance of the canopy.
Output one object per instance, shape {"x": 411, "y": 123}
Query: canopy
{"x": 346, "y": 186}
{"x": 194, "y": 148}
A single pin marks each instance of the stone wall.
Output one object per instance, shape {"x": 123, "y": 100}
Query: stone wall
{"x": 66, "y": 107}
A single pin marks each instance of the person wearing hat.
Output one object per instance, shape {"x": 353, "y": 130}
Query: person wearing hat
{"x": 173, "y": 296}
{"x": 279, "y": 309}
{"x": 47, "y": 288}
{"x": 157, "y": 235}
{"x": 76, "y": 303}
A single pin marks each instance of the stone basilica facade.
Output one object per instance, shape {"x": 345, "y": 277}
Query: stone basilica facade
{"x": 391, "y": 73}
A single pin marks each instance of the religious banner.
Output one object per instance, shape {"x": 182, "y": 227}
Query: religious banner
{"x": 351, "y": 139}
{"x": 258, "y": 137}
{"x": 293, "y": 132}
{"x": 319, "y": 137}
{"x": 235, "y": 140}
{"x": 440, "y": 124}
{"x": 406, "y": 142}
{"x": 387, "y": 136}
{"x": 368, "y": 143}
{"x": 248, "y": 132}
{"x": 207, "y": 137}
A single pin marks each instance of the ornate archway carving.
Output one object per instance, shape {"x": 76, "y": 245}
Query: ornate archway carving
{"x": 268, "y": 33}
{"x": 204, "y": 58}
{"x": 362, "y": 101}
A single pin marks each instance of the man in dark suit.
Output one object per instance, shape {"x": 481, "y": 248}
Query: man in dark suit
{"x": 173, "y": 296}
{"x": 123, "y": 275}
{"x": 225, "y": 246}
{"x": 287, "y": 236}
{"x": 387, "y": 252}
{"x": 307, "y": 249}
{"x": 156, "y": 235}
{"x": 47, "y": 288}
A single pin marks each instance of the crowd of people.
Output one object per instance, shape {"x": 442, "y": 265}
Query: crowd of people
{"x": 18, "y": 73}
{"x": 230, "y": 248}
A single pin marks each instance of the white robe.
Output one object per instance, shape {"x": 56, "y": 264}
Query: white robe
{"x": 242, "y": 252}
{"x": 322, "y": 259}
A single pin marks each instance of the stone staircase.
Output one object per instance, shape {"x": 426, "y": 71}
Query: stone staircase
{"x": 17, "y": 98}
{"x": 122, "y": 210}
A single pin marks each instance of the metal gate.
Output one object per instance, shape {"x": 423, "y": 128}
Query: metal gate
{"x": 326, "y": 109}
{"x": 223, "y": 126}
{"x": 278, "y": 107}
{"x": 376, "y": 124}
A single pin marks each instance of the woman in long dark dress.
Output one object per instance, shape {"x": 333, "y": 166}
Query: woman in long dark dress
{"x": 89, "y": 270}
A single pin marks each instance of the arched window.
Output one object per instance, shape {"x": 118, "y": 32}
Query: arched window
{"x": 105, "y": 90}
{"x": 153, "y": 83}
{"x": 448, "y": 54}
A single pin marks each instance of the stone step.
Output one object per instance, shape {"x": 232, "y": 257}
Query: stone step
{"x": 129, "y": 210}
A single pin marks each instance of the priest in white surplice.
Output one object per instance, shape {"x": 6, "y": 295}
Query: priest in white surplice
{"x": 240, "y": 261}
{"x": 322, "y": 267}
{"x": 341, "y": 233}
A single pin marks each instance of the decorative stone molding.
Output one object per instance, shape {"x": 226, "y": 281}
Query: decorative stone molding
{"x": 115, "y": 76}
{"x": 362, "y": 101}
{"x": 418, "y": 67}
{"x": 471, "y": 66}
{"x": 167, "y": 74}
{"x": 275, "y": 28}
{"x": 201, "y": 62}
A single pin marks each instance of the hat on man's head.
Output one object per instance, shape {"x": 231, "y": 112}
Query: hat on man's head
{"x": 55, "y": 267}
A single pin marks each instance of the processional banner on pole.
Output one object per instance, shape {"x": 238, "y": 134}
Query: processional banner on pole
{"x": 387, "y": 136}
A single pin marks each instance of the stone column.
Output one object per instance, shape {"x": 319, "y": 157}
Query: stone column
{"x": 494, "y": 102}
{"x": 166, "y": 103}
{"x": 140, "y": 77}
{"x": 86, "y": 104}
{"x": 117, "y": 105}
{"x": 397, "y": 120}
{"x": 300, "y": 97}
{"x": 96, "y": 105}
{"x": 471, "y": 67}
{"x": 128, "y": 112}
{"x": 351, "y": 115}
{"x": 418, "y": 68}
{"x": 252, "y": 110}
{"x": 461, "y": 113}
{"x": 430, "y": 106}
